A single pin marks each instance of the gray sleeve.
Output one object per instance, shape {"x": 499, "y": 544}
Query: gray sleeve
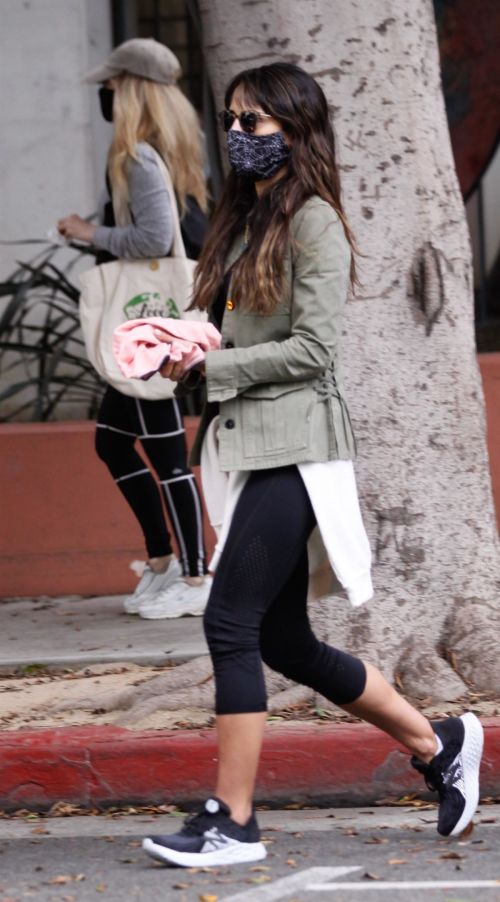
{"x": 151, "y": 232}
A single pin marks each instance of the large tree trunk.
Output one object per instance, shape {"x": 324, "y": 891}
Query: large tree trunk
{"x": 413, "y": 381}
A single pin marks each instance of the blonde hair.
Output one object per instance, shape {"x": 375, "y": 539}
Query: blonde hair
{"x": 159, "y": 115}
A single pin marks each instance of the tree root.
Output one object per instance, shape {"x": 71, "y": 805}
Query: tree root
{"x": 422, "y": 673}
{"x": 188, "y": 686}
{"x": 470, "y": 640}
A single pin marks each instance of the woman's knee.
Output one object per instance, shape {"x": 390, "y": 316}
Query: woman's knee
{"x": 224, "y": 631}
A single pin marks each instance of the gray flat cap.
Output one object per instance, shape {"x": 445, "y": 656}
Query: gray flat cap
{"x": 144, "y": 57}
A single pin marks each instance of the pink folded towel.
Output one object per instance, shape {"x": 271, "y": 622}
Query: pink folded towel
{"x": 140, "y": 353}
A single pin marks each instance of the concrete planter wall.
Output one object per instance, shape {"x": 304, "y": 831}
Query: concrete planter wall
{"x": 65, "y": 528}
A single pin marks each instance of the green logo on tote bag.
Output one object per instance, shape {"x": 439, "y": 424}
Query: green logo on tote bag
{"x": 149, "y": 304}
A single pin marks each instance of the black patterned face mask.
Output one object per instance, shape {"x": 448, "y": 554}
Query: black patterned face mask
{"x": 106, "y": 97}
{"x": 257, "y": 156}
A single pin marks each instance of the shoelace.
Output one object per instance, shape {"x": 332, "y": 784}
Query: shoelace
{"x": 432, "y": 774}
{"x": 198, "y": 823}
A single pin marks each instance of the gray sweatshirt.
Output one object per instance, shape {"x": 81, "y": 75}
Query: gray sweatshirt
{"x": 151, "y": 232}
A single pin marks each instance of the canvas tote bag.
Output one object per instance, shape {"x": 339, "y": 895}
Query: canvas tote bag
{"x": 133, "y": 289}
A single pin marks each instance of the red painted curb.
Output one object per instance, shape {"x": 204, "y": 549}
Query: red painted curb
{"x": 330, "y": 764}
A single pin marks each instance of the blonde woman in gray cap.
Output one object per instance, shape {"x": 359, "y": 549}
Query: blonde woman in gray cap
{"x": 150, "y": 116}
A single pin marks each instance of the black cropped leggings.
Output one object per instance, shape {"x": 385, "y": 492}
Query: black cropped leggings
{"x": 159, "y": 428}
{"x": 257, "y": 608}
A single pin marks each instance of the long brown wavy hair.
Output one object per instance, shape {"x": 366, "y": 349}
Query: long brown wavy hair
{"x": 296, "y": 101}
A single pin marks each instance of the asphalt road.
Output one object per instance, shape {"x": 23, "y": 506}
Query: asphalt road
{"x": 344, "y": 855}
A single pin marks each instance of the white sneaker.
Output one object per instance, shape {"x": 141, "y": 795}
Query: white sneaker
{"x": 178, "y": 600}
{"x": 151, "y": 583}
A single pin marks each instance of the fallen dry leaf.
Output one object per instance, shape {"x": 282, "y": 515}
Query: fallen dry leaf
{"x": 208, "y": 898}
{"x": 469, "y": 829}
{"x": 260, "y": 867}
{"x": 452, "y": 856}
{"x": 375, "y": 840}
{"x": 181, "y": 885}
{"x": 61, "y": 879}
{"x": 368, "y": 876}
{"x": 101, "y": 887}
{"x": 64, "y": 809}
{"x": 202, "y": 871}
{"x": 291, "y": 862}
{"x": 398, "y": 861}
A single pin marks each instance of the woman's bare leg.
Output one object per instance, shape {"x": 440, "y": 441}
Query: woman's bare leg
{"x": 160, "y": 564}
{"x": 382, "y": 706}
{"x": 239, "y": 739}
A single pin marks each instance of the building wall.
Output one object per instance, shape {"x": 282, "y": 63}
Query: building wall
{"x": 53, "y": 139}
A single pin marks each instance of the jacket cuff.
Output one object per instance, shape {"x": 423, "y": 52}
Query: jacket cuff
{"x": 220, "y": 372}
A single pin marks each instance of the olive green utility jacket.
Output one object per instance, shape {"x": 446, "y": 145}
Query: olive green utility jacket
{"x": 275, "y": 379}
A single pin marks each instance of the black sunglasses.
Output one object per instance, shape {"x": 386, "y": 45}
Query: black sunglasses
{"x": 248, "y": 119}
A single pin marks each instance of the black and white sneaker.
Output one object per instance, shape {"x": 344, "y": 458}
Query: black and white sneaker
{"x": 208, "y": 839}
{"x": 454, "y": 772}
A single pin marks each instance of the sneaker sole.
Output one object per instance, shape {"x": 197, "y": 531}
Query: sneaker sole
{"x": 238, "y": 853}
{"x": 472, "y": 751}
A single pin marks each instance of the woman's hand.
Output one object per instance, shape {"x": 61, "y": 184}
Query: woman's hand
{"x": 75, "y": 227}
{"x": 173, "y": 370}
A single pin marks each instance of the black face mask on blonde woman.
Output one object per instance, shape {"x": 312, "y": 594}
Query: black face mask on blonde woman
{"x": 106, "y": 97}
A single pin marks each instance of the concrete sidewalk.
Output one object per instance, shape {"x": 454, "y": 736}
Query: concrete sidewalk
{"x": 322, "y": 763}
{"x": 76, "y": 632}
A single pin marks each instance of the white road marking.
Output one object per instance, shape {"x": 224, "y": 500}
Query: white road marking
{"x": 369, "y": 885}
{"x": 309, "y": 881}
{"x": 286, "y": 885}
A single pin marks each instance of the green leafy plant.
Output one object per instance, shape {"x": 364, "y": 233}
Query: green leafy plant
{"x": 42, "y": 355}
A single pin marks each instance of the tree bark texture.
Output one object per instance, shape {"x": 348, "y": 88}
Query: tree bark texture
{"x": 412, "y": 378}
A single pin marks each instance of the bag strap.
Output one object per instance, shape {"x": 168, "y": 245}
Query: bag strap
{"x": 178, "y": 249}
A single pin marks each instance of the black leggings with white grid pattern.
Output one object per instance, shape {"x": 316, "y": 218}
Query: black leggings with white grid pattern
{"x": 159, "y": 428}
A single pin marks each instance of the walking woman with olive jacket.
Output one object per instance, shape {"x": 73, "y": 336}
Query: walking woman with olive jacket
{"x": 274, "y": 274}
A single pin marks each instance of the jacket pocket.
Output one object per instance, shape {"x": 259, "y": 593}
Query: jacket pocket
{"x": 275, "y": 418}
{"x": 272, "y": 390}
